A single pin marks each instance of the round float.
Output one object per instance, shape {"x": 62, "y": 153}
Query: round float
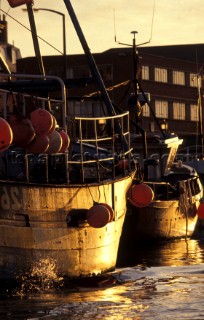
{"x": 42, "y": 121}
{"x": 6, "y": 135}
{"x": 98, "y": 215}
{"x": 23, "y": 131}
{"x": 123, "y": 164}
{"x": 200, "y": 211}
{"x": 40, "y": 144}
{"x": 65, "y": 141}
{"x": 54, "y": 124}
{"x": 140, "y": 195}
{"x": 111, "y": 211}
{"x": 55, "y": 142}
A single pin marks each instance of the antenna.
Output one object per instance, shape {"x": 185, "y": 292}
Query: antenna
{"x": 151, "y": 32}
{"x": 114, "y": 25}
{"x": 152, "y": 22}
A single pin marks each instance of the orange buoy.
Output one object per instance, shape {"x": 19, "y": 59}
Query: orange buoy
{"x": 16, "y": 3}
{"x": 23, "y": 131}
{"x": 200, "y": 211}
{"x": 42, "y": 121}
{"x": 123, "y": 164}
{"x": 65, "y": 141}
{"x": 98, "y": 215}
{"x": 39, "y": 144}
{"x": 54, "y": 124}
{"x": 6, "y": 135}
{"x": 111, "y": 211}
{"x": 140, "y": 195}
{"x": 55, "y": 143}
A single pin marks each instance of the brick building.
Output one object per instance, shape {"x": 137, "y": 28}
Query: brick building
{"x": 168, "y": 73}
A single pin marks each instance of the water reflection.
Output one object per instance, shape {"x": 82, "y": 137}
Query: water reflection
{"x": 164, "y": 253}
{"x": 153, "y": 281}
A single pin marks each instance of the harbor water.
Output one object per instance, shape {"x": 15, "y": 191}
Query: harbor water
{"x": 163, "y": 280}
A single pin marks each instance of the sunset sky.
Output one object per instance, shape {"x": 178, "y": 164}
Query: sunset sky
{"x": 174, "y": 22}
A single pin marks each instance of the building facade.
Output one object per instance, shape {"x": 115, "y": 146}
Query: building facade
{"x": 8, "y": 52}
{"x": 170, "y": 75}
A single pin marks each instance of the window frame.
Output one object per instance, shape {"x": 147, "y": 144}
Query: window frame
{"x": 161, "y": 109}
{"x": 179, "y": 111}
{"x": 179, "y": 77}
{"x": 160, "y": 74}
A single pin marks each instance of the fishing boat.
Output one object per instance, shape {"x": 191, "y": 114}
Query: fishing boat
{"x": 193, "y": 155}
{"x": 166, "y": 203}
{"x": 165, "y": 197}
{"x": 63, "y": 180}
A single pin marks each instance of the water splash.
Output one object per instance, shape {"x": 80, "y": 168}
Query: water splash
{"x": 41, "y": 278}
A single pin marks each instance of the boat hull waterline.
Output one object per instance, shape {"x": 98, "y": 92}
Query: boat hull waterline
{"x": 159, "y": 220}
{"x": 34, "y": 227}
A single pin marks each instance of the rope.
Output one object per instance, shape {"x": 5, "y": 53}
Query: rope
{"x": 6, "y": 13}
{"x": 90, "y": 193}
{"x": 108, "y": 89}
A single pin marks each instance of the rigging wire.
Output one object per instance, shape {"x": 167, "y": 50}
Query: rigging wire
{"x": 6, "y": 13}
{"x": 108, "y": 89}
{"x": 152, "y": 21}
{"x": 114, "y": 27}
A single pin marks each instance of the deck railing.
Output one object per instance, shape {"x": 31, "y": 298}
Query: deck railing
{"x": 97, "y": 151}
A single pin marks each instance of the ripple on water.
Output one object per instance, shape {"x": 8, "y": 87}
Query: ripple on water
{"x": 144, "y": 291}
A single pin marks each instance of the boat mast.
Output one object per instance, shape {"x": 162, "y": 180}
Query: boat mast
{"x": 92, "y": 64}
{"x": 95, "y": 72}
{"x": 35, "y": 39}
{"x": 36, "y": 46}
{"x": 200, "y": 115}
{"x": 135, "y": 74}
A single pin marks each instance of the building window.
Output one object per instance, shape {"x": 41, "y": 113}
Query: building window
{"x": 88, "y": 109}
{"x": 80, "y": 109}
{"x": 194, "y": 112}
{"x": 193, "y": 80}
{"x": 179, "y": 77}
{"x": 161, "y": 109}
{"x": 145, "y": 110}
{"x": 179, "y": 111}
{"x": 70, "y": 73}
{"x": 160, "y": 75}
{"x": 145, "y": 72}
{"x": 13, "y": 55}
{"x": 78, "y": 72}
{"x": 106, "y": 71}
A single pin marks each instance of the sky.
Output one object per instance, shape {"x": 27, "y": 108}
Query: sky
{"x": 162, "y": 22}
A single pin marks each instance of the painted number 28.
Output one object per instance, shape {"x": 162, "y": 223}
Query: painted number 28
{"x": 9, "y": 198}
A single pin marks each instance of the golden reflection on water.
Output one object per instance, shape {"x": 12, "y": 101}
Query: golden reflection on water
{"x": 159, "y": 293}
{"x": 165, "y": 280}
{"x": 164, "y": 253}
{"x": 116, "y": 303}
{"x": 181, "y": 250}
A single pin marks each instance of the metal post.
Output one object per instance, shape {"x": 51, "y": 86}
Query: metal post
{"x": 35, "y": 39}
{"x": 92, "y": 64}
{"x": 64, "y": 32}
